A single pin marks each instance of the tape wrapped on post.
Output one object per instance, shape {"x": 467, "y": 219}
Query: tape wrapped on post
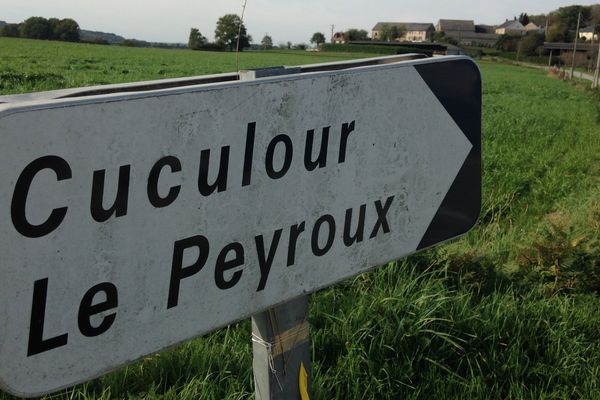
{"x": 284, "y": 342}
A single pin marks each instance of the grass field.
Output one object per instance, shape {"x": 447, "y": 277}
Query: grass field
{"x": 36, "y": 65}
{"x": 510, "y": 311}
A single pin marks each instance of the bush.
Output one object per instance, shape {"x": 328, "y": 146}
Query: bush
{"x": 507, "y": 43}
{"x": 562, "y": 257}
{"x": 531, "y": 42}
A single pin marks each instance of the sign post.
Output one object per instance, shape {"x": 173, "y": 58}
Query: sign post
{"x": 135, "y": 220}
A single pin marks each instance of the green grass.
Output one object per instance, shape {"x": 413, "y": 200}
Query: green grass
{"x": 37, "y": 65}
{"x": 510, "y": 311}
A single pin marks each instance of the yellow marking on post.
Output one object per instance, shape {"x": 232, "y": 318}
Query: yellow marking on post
{"x": 303, "y": 383}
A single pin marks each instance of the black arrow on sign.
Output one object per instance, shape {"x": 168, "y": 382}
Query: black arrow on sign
{"x": 457, "y": 85}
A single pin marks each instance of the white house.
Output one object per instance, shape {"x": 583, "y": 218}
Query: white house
{"x": 587, "y": 33}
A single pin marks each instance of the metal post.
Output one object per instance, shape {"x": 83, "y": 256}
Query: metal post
{"x": 281, "y": 335}
{"x": 575, "y": 45}
{"x": 281, "y": 347}
{"x": 550, "y": 59}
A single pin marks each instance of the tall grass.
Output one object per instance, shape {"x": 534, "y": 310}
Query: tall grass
{"x": 416, "y": 335}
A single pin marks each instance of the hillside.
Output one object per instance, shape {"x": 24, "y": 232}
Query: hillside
{"x": 94, "y": 36}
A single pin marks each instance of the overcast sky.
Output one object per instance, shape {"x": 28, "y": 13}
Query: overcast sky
{"x": 283, "y": 20}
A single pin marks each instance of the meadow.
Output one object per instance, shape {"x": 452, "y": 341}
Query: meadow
{"x": 35, "y": 65}
{"x": 510, "y": 311}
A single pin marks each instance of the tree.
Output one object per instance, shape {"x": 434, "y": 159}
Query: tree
{"x": 266, "y": 43}
{"x": 392, "y": 32}
{"x": 557, "y": 33}
{"x": 531, "y": 42}
{"x": 567, "y": 16}
{"x": 539, "y": 19}
{"x": 128, "y": 43}
{"x": 35, "y": 28}
{"x": 196, "y": 41}
{"x": 67, "y": 29}
{"x": 317, "y": 38}
{"x": 524, "y": 19}
{"x": 595, "y": 13}
{"x": 226, "y": 33}
{"x": 507, "y": 43}
{"x": 10, "y": 30}
{"x": 440, "y": 37}
{"x": 53, "y": 22}
{"x": 356, "y": 35}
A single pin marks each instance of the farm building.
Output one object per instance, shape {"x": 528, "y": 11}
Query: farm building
{"x": 455, "y": 27}
{"x": 412, "y": 31}
{"x": 466, "y": 33}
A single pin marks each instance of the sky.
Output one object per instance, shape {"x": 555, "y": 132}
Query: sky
{"x": 283, "y": 20}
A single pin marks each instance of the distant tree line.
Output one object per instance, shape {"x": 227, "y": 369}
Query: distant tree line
{"x": 46, "y": 29}
{"x": 231, "y": 33}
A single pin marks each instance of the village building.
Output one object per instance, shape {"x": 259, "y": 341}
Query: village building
{"x": 338, "y": 38}
{"x": 514, "y": 28}
{"x": 466, "y": 33}
{"x": 454, "y": 28}
{"x": 532, "y": 27}
{"x": 411, "y": 31}
{"x": 587, "y": 33}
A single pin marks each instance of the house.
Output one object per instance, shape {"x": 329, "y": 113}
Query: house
{"x": 412, "y": 31}
{"x": 511, "y": 28}
{"x": 338, "y": 38}
{"x": 588, "y": 33}
{"x": 531, "y": 27}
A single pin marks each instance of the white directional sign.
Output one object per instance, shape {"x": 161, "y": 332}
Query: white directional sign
{"x": 132, "y": 222}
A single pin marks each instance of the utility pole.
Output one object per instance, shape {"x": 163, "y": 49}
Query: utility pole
{"x": 597, "y": 72}
{"x": 575, "y": 45}
{"x": 332, "y": 28}
{"x": 546, "y": 39}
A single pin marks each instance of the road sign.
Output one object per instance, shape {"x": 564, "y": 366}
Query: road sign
{"x": 136, "y": 221}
